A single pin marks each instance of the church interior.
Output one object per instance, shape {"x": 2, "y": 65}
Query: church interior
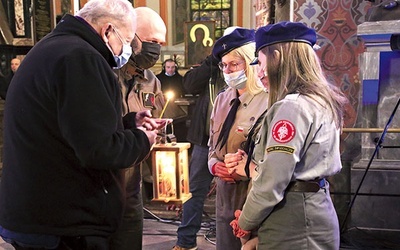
{"x": 359, "y": 51}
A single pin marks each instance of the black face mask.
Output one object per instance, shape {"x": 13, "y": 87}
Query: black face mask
{"x": 148, "y": 56}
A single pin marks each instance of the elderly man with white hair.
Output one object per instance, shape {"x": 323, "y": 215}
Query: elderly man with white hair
{"x": 66, "y": 141}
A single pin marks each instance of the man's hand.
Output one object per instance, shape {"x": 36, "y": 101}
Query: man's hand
{"x": 143, "y": 119}
{"x": 151, "y": 135}
{"x": 162, "y": 122}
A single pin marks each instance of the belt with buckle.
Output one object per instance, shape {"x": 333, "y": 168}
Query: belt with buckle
{"x": 306, "y": 186}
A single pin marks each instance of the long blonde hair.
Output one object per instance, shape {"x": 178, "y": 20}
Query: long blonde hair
{"x": 294, "y": 67}
{"x": 246, "y": 52}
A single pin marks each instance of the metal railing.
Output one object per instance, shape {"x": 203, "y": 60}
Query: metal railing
{"x": 370, "y": 130}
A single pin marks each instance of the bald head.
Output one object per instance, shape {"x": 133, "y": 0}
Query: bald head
{"x": 150, "y": 26}
{"x": 15, "y": 62}
{"x": 150, "y": 36}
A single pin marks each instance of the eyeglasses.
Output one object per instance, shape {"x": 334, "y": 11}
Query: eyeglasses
{"x": 138, "y": 38}
{"x": 148, "y": 41}
{"x": 232, "y": 65}
{"x": 123, "y": 41}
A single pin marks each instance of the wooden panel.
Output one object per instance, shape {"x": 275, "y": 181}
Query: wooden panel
{"x": 140, "y": 3}
{"x": 240, "y": 13}
{"x": 82, "y": 3}
{"x": 164, "y": 15}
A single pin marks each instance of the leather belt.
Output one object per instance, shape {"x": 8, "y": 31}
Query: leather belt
{"x": 306, "y": 186}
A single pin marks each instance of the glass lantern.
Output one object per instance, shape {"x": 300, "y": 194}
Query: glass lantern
{"x": 170, "y": 172}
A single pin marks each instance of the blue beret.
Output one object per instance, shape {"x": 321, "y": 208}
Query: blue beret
{"x": 284, "y": 32}
{"x": 231, "y": 41}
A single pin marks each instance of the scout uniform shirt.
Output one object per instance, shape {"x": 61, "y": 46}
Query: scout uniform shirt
{"x": 298, "y": 141}
{"x": 251, "y": 107}
{"x": 231, "y": 196}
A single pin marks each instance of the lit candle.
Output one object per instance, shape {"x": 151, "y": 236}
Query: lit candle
{"x": 169, "y": 96}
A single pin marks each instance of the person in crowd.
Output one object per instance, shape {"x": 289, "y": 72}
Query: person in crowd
{"x": 296, "y": 146}
{"x": 15, "y": 62}
{"x": 235, "y": 111}
{"x": 65, "y": 140}
{"x": 170, "y": 78}
{"x": 203, "y": 80}
{"x": 141, "y": 90}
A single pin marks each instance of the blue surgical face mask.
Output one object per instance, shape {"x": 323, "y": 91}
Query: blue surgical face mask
{"x": 236, "y": 80}
{"x": 122, "y": 59}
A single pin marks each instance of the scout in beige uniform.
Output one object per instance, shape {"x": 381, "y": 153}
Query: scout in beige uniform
{"x": 297, "y": 146}
{"x": 235, "y": 51}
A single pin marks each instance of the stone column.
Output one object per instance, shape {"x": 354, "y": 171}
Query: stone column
{"x": 376, "y": 207}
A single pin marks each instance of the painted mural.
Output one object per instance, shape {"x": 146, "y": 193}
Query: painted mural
{"x": 336, "y": 23}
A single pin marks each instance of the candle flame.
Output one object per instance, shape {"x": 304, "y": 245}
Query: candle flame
{"x": 169, "y": 95}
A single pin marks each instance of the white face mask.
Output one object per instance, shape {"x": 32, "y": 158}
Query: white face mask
{"x": 236, "y": 80}
{"x": 122, "y": 59}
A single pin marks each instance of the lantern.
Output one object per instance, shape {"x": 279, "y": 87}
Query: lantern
{"x": 170, "y": 172}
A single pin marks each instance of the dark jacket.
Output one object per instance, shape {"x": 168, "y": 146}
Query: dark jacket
{"x": 171, "y": 83}
{"x": 64, "y": 140}
{"x": 196, "y": 82}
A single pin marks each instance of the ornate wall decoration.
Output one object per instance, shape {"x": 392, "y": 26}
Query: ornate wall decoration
{"x": 19, "y": 18}
{"x": 336, "y": 24}
{"x": 263, "y": 12}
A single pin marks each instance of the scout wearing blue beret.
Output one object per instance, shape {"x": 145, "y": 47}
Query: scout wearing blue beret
{"x": 237, "y": 38}
{"x": 296, "y": 147}
{"x": 234, "y": 113}
{"x": 283, "y": 32}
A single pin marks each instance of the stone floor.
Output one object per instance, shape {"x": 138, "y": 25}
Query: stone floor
{"x": 161, "y": 222}
{"x": 160, "y": 234}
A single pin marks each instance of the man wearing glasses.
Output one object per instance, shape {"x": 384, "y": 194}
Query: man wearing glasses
{"x": 66, "y": 142}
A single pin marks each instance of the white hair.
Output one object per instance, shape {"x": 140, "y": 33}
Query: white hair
{"x": 101, "y": 11}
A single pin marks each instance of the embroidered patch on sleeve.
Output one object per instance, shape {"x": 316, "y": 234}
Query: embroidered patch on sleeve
{"x": 283, "y": 131}
{"x": 148, "y": 99}
{"x": 282, "y": 149}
